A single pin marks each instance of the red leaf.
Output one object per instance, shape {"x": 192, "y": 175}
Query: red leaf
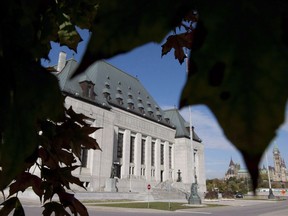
{"x": 51, "y": 207}
{"x": 10, "y": 204}
{"x": 74, "y": 204}
{"x": 25, "y": 180}
{"x": 178, "y": 42}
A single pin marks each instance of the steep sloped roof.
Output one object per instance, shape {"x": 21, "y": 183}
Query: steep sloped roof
{"x": 124, "y": 91}
{"x": 231, "y": 162}
{"x": 182, "y": 127}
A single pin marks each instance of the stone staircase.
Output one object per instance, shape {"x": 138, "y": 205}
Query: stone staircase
{"x": 166, "y": 190}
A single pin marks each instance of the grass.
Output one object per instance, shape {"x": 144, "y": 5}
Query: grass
{"x": 152, "y": 205}
{"x": 106, "y": 201}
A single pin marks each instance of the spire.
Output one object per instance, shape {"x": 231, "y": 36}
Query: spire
{"x": 283, "y": 163}
{"x": 275, "y": 149}
{"x": 231, "y": 163}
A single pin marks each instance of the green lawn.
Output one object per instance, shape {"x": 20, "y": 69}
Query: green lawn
{"x": 152, "y": 205}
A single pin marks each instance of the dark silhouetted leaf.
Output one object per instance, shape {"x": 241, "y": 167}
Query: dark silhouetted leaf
{"x": 145, "y": 21}
{"x": 25, "y": 180}
{"x": 9, "y": 205}
{"x": 247, "y": 92}
{"x": 55, "y": 207}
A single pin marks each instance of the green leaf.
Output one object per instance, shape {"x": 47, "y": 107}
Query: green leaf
{"x": 240, "y": 73}
{"x": 20, "y": 117}
{"x": 68, "y": 35}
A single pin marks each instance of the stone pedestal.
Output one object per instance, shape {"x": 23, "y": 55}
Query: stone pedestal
{"x": 110, "y": 185}
{"x": 194, "y": 197}
{"x": 271, "y": 195}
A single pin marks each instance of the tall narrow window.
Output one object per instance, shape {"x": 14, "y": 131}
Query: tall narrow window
{"x": 84, "y": 157}
{"x": 120, "y": 145}
{"x": 162, "y": 154}
{"x": 132, "y": 147}
{"x": 153, "y": 154}
{"x": 170, "y": 157}
{"x": 142, "y": 151}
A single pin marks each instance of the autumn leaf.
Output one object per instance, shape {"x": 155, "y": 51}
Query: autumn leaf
{"x": 178, "y": 43}
{"x": 70, "y": 201}
{"x": 9, "y": 205}
{"x": 55, "y": 207}
{"x": 25, "y": 180}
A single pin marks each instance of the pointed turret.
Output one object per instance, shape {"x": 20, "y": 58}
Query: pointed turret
{"x": 231, "y": 163}
{"x": 276, "y": 149}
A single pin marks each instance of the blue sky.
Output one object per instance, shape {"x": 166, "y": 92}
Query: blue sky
{"x": 164, "y": 78}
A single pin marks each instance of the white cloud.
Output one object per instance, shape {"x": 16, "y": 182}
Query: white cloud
{"x": 207, "y": 127}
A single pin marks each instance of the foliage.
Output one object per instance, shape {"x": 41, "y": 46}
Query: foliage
{"x": 234, "y": 185}
{"x": 27, "y": 89}
{"x": 211, "y": 195}
{"x": 30, "y": 95}
{"x": 228, "y": 195}
{"x": 238, "y": 68}
{"x": 60, "y": 145}
{"x": 238, "y": 64}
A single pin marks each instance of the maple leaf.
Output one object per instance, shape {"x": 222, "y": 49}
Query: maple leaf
{"x": 178, "y": 42}
{"x": 25, "y": 180}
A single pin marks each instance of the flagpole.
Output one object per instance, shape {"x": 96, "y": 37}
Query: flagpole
{"x": 190, "y": 124}
{"x": 271, "y": 195}
{"x": 194, "y": 198}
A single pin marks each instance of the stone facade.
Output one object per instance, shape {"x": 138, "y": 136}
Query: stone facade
{"x": 138, "y": 141}
{"x": 234, "y": 170}
{"x": 279, "y": 172}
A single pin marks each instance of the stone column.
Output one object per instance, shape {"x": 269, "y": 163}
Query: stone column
{"x": 157, "y": 160}
{"x": 173, "y": 163}
{"x": 148, "y": 158}
{"x": 126, "y": 154}
{"x": 137, "y": 155}
{"x": 166, "y": 161}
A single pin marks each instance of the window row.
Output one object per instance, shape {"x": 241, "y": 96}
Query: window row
{"x": 120, "y": 142}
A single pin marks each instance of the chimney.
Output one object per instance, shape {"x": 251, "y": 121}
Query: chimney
{"x": 61, "y": 61}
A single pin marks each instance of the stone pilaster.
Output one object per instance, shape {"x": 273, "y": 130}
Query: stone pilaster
{"x": 148, "y": 158}
{"x": 137, "y": 155}
{"x": 166, "y": 161}
{"x": 126, "y": 154}
{"x": 157, "y": 160}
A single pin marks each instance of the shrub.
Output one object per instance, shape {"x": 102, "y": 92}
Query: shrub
{"x": 211, "y": 195}
{"x": 227, "y": 194}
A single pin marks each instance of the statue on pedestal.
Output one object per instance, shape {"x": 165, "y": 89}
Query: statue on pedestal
{"x": 194, "y": 197}
{"x": 113, "y": 172}
{"x": 179, "y": 178}
{"x": 110, "y": 184}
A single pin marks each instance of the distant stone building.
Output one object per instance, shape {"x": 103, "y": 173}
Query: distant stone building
{"x": 234, "y": 170}
{"x": 279, "y": 172}
{"x": 141, "y": 142}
